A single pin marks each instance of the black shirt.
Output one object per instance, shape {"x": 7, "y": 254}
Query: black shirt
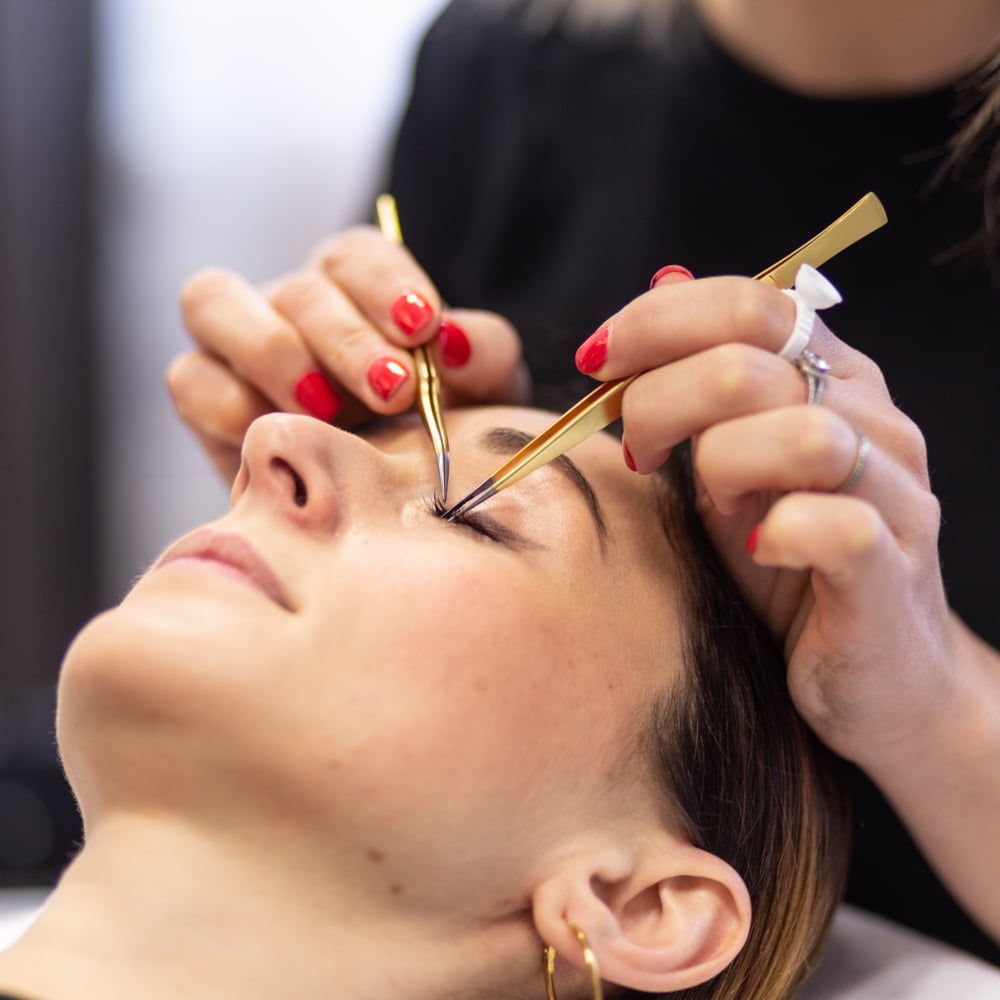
{"x": 547, "y": 175}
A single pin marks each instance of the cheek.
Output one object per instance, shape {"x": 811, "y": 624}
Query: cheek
{"x": 481, "y": 673}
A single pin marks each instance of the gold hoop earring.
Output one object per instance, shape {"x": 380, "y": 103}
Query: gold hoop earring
{"x": 549, "y": 965}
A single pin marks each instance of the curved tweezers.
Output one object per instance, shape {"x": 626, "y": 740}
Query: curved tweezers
{"x": 428, "y": 386}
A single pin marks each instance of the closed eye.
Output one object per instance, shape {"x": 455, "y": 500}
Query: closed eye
{"x": 482, "y": 524}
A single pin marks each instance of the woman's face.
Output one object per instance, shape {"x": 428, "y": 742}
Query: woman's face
{"x": 421, "y": 695}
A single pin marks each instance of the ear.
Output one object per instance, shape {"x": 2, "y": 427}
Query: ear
{"x": 663, "y": 918}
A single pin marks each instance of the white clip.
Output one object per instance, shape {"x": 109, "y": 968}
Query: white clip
{"x": 812, "y": 292}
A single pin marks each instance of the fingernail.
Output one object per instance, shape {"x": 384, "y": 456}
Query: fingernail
{"x": 593, "y": 352}
{"x": 670, "y": 269}
{"x": 386, "y": 375}
{"x": 629, "y": 460}
{"x": 752, "y": 540}
{"x": 316, "y": 394}
{"x": 411, "y": 313}
{"x": 455, "y": 346}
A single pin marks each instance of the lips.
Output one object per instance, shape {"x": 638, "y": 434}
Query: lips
{"x": 232, "y": 551}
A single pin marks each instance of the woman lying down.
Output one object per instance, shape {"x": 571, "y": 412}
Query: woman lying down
{"x": 333, "y": 745}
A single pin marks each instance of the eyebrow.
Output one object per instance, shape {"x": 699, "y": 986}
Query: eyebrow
{"x": 505, "y": 441}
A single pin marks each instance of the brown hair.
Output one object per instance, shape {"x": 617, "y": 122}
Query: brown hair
{"x": 749, "y": 780}
{"x": 975, "y": 153}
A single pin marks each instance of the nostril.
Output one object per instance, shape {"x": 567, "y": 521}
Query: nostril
{"x": 301, "y": 494}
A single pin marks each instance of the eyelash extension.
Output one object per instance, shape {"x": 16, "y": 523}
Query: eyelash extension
{"x": 477, "y": 524}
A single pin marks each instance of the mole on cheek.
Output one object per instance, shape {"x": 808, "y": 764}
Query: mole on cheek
{"x": 376, "y": 856}
{"x": 396, "y": 889}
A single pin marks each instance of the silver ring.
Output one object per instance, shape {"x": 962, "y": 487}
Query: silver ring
{"x": 814, "y": 370}
{"x": 864, "y": 447}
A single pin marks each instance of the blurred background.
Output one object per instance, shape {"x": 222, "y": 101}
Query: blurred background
{"x": 141, "y": 140}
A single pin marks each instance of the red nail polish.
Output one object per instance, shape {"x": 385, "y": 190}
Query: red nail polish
{"x": 411, "y": 313}
{"x": 752, "y": 540}
{"x": 316, "y": 395}
{"x": 386, "y": 375}
{"x": 629, "y": 460}
{"x": 670, "y": 269}
{"x": 593, "y": 352}
{"x": 455, "y": 346}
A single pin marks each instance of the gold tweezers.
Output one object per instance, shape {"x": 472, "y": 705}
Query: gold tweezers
{"x": 428, "y": 386}
{"x": 604, "y": 405}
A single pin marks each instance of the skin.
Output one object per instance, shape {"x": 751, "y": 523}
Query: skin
{"x": 857, "y": 48}
{"x": 395, "y": 760}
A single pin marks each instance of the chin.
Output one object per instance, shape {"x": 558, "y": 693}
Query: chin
{"x": 144, "y": 702}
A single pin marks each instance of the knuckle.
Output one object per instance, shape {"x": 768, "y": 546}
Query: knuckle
{"x": 331, "y": 256}
{"x": 181, "y": 378}
{"x": 927, "y": 508}
{"x": 755, "y": 309}
{"x": 273, "y": 343}
{"x": 205, "y": 288}
{"x": 738, "y": 373}
{"x": 178, "y": 382}
{"x": 817, "y": 441}
{"x": 911, "y": 447}
{"x": 861, "y": 527}
{"x": 352, "y": 340}
{"x": 866, "y": 370}
{"x": 296, "y": 292}
{"x": 176, "y": 374}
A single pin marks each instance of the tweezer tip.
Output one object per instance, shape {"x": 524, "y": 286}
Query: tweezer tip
{"x": 443, "y": 466}
{"x": 452, "y": 512}
{"x": 482, "y": 492}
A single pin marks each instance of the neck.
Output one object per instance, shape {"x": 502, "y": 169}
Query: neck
{"x": 857, "y": 48}
{"x": 151, "y": 910}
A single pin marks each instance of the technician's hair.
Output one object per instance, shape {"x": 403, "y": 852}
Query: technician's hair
{"x": 975, "y": 155}
{"x": 749, "y": 780}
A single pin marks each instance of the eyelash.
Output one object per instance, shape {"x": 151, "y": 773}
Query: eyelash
{"x": 479, "y": 525}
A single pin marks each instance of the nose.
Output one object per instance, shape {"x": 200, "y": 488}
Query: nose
{"x": 310, "y": 472}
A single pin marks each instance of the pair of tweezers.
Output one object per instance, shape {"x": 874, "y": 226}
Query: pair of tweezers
{"x": 604, "y": 405}
{"x": 428, "y": 386}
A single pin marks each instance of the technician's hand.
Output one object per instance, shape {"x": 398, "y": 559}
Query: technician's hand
{"x": 331, "y": 340}
{"x": 850, "y": 583}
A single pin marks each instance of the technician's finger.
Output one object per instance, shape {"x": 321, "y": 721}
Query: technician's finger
{"x": 230, "y": 319}
{"x": 680, "y": 318}
{"x": 216, "y": 405}
{"x": 479, "y": 360}
{"x": 385, "y": 283}
{"x": 211, "y": 399}
{"x": 347, "y": 346}
{"x": 665, "y": 406}
{"x": 809, "y": 449}
{"x": 843, "y": 538}
{"x": 858, "y": 572}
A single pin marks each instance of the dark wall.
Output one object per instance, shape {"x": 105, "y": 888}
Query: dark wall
{"x": 47, "y": 455}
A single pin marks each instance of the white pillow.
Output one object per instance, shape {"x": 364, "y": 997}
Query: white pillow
{"x": 868, "y": 958}
{"x": 18, "y": 907}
